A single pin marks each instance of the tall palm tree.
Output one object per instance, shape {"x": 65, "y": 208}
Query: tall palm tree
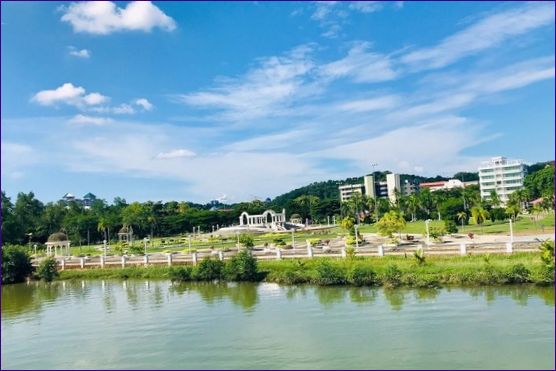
{"x": 479, "y": 214}
{"x": 462, "y": 217}
{"x": 413, "y": 204}
{"x": 494, "y": 199}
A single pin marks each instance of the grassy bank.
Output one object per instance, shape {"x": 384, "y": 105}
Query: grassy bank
{"x": 434, "y": 271}
{"x": 525, "y": 224}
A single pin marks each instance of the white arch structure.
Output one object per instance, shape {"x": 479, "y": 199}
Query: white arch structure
{"x": 268, "y": 219}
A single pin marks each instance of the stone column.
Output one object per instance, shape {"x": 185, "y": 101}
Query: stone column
{"x": 344, "y": 253}
{"x": 194, "y": 258}
{"x": 309, "y": 250}
{"x": 380, "y": 250}
{"x": 124, "y": 258}
{"x": 220, "y": 255}
{"x": 146, "y": 260}
{"x": 462, "y": 248}
{"x": 169, "y": 257}
{"x": 102, "y": 261}
{"x": 82, "y": 263}
{"x": 509, "y": 247}
{"x": 63, "y": 261}
{"x": 278, "y": 254}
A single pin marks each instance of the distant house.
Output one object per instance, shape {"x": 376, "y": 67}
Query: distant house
{"x": 87, "y": 200}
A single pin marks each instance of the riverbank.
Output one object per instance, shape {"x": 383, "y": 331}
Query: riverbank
{"x": 391, "y": 271}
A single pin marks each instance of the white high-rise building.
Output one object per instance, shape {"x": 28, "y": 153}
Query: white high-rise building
{"x": 501, "y": 175}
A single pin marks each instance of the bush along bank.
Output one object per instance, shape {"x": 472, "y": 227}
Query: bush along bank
{"x": 473, "y": 270}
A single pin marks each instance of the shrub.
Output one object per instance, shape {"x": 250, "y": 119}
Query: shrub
{"x": 181, "y": 273}
{"x": 350, "y": 252}
{"x": 518, "y": 274}
{"x": 242, "y": 267}
{"x": 329, "y": 274}
{"x": 246, "y": 240}
{"x": 279, "y": 241}
{"x": 16, "y": 264}
{"x": 436, "y": 233}
{"x": 498, "y": 213}
{"x": 208, "y": 270}
{"x": 392, "y": 276}
{"x": 419, "y": 256}
{"x": 314, "y": 241}
{"x": 450, "y": 226}
{"x": 547, "y": 254}
{"x": 362, "y": 276}
{"x": 47, "y": 269}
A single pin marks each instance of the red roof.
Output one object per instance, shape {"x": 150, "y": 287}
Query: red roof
{"x": 432, "y": 184}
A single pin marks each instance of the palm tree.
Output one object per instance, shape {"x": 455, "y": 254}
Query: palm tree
{"x": 413, "y": 204}
{"x": 479, "y": 214}
{"x": 494, "y": 199}
{"x": 102, "y": 226}
{"x": 462, "y": 217}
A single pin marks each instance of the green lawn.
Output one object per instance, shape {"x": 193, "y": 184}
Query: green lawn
{"x": 178, "y": 243}
{"x": 545, "y": 224}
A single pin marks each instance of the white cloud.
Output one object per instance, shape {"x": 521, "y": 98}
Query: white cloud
{"x": 262, "y": 91}
{"x": 70, "y": 95}
{"x": 488, "y": 32}
{"x": 144, "y": 103}
{"x": 361, "y": 65}
{"x": 94, "y": 99}
{"x": 89, "y": 120}
{"x": 15, "y": 158}
{"x": 366, "y": 6}
{"x": 104, "y": 17}
{"x": 83, "y": 53}
{"x": 176, "y": 153}
{"x": 372, "y": 104}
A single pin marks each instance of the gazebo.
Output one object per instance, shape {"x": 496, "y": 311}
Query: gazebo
{"x": 126, "y": 234}
{"x": 58, "y": 240}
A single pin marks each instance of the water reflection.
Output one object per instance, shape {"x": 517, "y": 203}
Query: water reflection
{"x": 243, "y": 294}
{"x": 29, "y": 298}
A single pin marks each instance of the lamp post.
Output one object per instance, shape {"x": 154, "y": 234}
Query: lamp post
{"x": 511, "y": 231}
{"x": 428, "y": 233}
{"x": 104, "y": 245}
{"x": 30, "y": 235}
{"x": 145, "y": 240}
{"x": 356, "y": 238}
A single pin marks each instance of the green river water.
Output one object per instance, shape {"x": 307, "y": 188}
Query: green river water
{"x": 140, "y": 324}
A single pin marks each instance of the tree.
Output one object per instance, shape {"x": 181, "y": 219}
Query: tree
{"x": 462, "y": 217}
{"x": 136, "y": 215}
{"x": 16, "y": 264}
{"x": 413, "y": 204}
{"x": 494, "y": 199}
{"x": 426, "y": 201}
{"x": 540, "y": 182}
{"x": 308, "y": 205}
{"x": 348, "y": 224}
{"x": 479, "y": 215}
{"x": 247, "y": 241}
{"x": 11, "y": 229}
{"x": 390, "y": 222}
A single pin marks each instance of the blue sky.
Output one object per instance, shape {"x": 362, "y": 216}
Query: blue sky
{"x": 236, "y": 101}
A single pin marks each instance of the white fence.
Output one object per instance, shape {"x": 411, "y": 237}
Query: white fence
{"x": 308, "y": 251}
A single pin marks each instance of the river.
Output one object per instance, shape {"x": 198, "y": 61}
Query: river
{"x": 140, "y": 324}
